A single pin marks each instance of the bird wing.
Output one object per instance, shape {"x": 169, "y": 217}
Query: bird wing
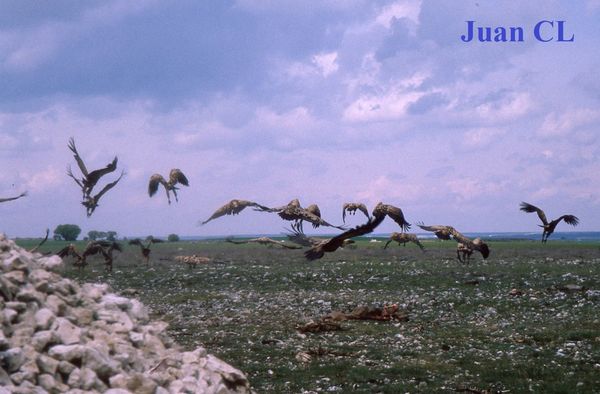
{"x": 176, "y": 176}
{"x": 13, "y": 198}
{"x": 569, "y": 219}
{"x": 458, "y": 237}
{"x": 363, "y": 209}
{"x": 155, "y": 180}
{"x": 93, "y": 177}
{"x": 299, "y": 238}
{"x": 314, "y": 209}
{"x": 136, "y": 242}
{"x": 397, "y": 216}
{"x": 526, "y": 207}
{"x": 78, "y": 159}
{"x": 317, "y": 251}
{"x": 303, "y": 214}
{"x": 70, "y": 173}
{"x": 108, "y": 187}
{"x": 93, "y": 248}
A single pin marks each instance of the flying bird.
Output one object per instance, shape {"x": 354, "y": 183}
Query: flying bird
{"x": 262, "y": 241}
{"x": 333, "y": 244}
{"x": 394, "y": 213}
{"x": 175, "y": 177}
{"x": 91, "y": 202}
{"x": 441, "y": 232}
{"x": 548, "y": 226}
{"x": 294, "y": 203}
{"x": 403, "y": 239}
{"x": 464, "y": 243}
{"x": 89, "y": 179}
{"x": 234, "y": 207}
{"x": 13, "y": 198}
{"x": 145, "y": 249}
{"x": 298, "y": 215}
{"x": 352, "y": 207}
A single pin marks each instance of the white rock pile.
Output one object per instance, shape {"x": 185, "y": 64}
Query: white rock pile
{"x": 57, "y": 336}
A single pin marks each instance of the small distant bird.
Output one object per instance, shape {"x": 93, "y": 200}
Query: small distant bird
{"x": 464, "y": 243}
{"x": 234, "y": 207}
{"x": 175, "y": 177}
{"x": 394, "y": 213}
{"x": 262, "y": 241}
{"x": 548, "y": 226}
{"x": 333, "y": 244}
{"x": 145, "y": 249}
{"x": 352, "y": 207}
{"x": 13, "y": 198}
{"x": 403, "y": 239}
{"x": 89, "y": 179}
{"x": 91, "y": 202}
{"x": 441, "y": 232}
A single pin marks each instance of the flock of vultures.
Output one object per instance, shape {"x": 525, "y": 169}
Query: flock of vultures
{"x": 292, "y": 212}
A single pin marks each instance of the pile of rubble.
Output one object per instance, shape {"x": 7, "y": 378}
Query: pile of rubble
{"x": 57, "y": 336}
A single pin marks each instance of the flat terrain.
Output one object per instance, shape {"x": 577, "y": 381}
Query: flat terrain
{"x": 527, "y": 319}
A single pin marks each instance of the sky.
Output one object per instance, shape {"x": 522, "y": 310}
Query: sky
{"x": 326, "y": 101}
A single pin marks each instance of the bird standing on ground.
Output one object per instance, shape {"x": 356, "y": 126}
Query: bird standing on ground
{"x": 175, "y": 177}
{"x": 548, "y": 226}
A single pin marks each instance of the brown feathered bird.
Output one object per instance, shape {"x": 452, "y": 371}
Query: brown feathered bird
{"x": 89, "y": 179}
{"x": 262, "y": 241}
{"x": 394, "y": 213}
{"x": 352, "y": 207}
{"x": 548, "y": 226}
{"x": 234, "y": 207}
{"x": 403, "y": 239}
{"x": 13, "y": 198}
{"x": 91, "y": 202}
{"x": 145, "y": 249}
{"x": 294, "y": 203}
{"x": 332, "y": 244}
{"x": 175, "y": 177}
{"x": 464, "y": 243}
{"x": 71, "y": 250}
{"x": 441, "y": 232}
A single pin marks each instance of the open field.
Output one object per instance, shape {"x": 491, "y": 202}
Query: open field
{"x": 468, "y": 329}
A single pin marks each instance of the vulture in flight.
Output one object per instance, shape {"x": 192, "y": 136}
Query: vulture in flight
{"x": 465, "y": 246}
{"x": 394, "y": 213}
{"x": 145, "y": 249}
{"x": 352, "y": 207}
{"x": 234, "y": 207}
{"x": 441, "y": 232}
{"x": 403, "y": 239}
{"x": 548, "y": 226}
{"x": 175, "y": 177}
{"x": 13, "y": 198}
{"x": 105, "y": 248}
{"x": 89, "y": 179}
{"x": 262, "y": 241}
{"x": 91, "y": 202}
{"x": 297, "y": 214}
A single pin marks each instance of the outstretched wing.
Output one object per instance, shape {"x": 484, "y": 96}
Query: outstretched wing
{"x": 397, "y": 216}
{"x": 95, "y": 175}
{"x": 70, "y": 173}
{"x": 569, "y": 219}
{"x": 234, "y": 207}
{"x": 13, "y": 198}
{"x": 526, "y": 207}
{"x": 78, "y": 159}
{"x": 363, "y": 208}
{"x": 43, "y": 241}
{"x": 458, "y": 237}
{"x": 155, "y": 180}
{"x": 108, "y": 187}
{"x": 318, "y": 251}
{"x": 300, "y": 238}
{"x": 93, "y": 248}
{"x": 176, "y": 176}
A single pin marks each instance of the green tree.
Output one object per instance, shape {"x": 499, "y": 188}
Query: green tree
{"x": 173, "y": 238}
{"x": 67, "y": 232}
{"x": 111, "y": 236}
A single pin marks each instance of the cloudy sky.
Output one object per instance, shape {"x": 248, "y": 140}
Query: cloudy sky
{"x": 327, "y": 101}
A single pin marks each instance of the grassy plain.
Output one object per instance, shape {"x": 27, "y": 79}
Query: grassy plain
{"x": 525, "y": 320}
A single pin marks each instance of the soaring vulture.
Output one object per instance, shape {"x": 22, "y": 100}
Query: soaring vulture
{"x": 441, "y": 232}
{"x": 89, "y": 179}
{"x": 466, "y": 246}
{"x": 352, "y": 207}
{"x": 298, "y": 215}
{"x": 13, "y": 198}
{"x": 91, "y": 202}
{"x": 262, "y": 241}
{"x": 394, "y": 213}
{"x": 403, "y": 239}
{"x": 234, "y": 207}
{"x": 548, "y": 226}
{"x": 145, "y": 249}
{"x": 175, "y": 177}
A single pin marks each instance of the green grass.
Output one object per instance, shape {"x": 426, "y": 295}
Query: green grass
{"x": 465, "y": 328}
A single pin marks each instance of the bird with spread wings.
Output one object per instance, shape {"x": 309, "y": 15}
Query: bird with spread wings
{"x": 234, "y": 207}
{"x": 352, "y": 207}
{"x": 403, "y": 239}
{"x": 91, "y": 202}
{"x": 546, "y": 225}
{"x": 13, "y": 198}
{"x": 175, "y": 176}
{"x": 262, "y": 241}
{"x": 465, "y": 246}
{"x": 145, "y": 249}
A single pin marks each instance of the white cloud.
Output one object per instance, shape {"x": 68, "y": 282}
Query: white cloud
{"x": 560, "y": 124}
{"x": 43, "y": 180}
{"x": 326, "y": 63}
{"x": 481, "y": 137}
{"x": 409, "y": 9}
